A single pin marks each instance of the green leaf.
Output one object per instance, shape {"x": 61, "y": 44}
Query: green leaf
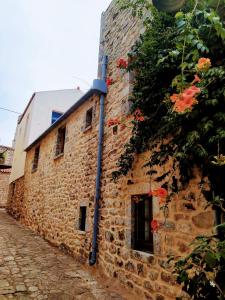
{"x": 210, "y": 259}
{"x": 179, "y": 15}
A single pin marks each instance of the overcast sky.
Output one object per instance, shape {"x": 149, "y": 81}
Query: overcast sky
{"x": 45, "y": 45}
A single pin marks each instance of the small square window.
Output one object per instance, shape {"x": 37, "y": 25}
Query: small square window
{"x": 36, "y": 158}
{"x": 89, "y": 117}
{"x": 115, "y": 130}
{"x": 142, "y": 237}
{"x": 82, "y": 218}
{"x": 60, "y": 142}
{"x": 55, "y": 116}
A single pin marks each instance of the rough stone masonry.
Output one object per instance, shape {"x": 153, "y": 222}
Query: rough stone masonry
{"x": 49, "y": 200}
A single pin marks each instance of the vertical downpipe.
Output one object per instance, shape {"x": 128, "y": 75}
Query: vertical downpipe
{"x": 93, "y": 253}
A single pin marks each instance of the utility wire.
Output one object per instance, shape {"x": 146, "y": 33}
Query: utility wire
{"x": 16, "y": 112}
{"x": 13, "y": 111}
{"x": 84, "y": 81}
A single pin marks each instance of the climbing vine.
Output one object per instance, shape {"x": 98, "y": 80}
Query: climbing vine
{"x": 178, "y": 104}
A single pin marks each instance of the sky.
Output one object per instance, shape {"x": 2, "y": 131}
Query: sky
{"x": 45, "y": 45}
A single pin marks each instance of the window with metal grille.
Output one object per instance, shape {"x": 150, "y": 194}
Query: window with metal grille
{"x": 36, "y": 158}
{"x": 89, "y": 117}
{"x": 142, "y": 237}
{"x": 82, "y": 218}
{"x": 60, "y": 142}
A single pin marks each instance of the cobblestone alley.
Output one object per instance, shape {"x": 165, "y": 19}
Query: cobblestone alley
{"x": 30, "y": 268}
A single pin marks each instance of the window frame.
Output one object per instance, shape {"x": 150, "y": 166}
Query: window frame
{"x": 36, "y": 158}
{"x": 142, "y": 214}
{"x": 60, "y": 141}
{"x": 82, "y": 218}
{"x": 57, "y": 112}
{"x": 89, "y": 117}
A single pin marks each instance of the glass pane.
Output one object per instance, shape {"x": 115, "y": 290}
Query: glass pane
{"x": 55, "y": 116}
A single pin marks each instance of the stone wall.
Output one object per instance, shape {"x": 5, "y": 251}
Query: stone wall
{"x": 146, "y": 274}
{"x": 5, "y": 173}
{"x": 15, "y": 198}
{"x": 4, "y": 185}
{"x": 54, "y": 193}
{"x": 8, "y": 154}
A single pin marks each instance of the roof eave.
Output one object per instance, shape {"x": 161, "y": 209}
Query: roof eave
{"x": 99, "y": 87}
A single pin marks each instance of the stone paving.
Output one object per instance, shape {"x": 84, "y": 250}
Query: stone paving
{"x": 30, "y": 268}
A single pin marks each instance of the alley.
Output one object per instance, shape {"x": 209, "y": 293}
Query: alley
{"x": 30, "y": 268}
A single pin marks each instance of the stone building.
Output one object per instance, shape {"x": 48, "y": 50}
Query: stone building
{"x": 56, "y": 196}
{"x": 6, "y": 155}
{"x": 42, "y": 110}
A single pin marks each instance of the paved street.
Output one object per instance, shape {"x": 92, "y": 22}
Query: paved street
{"x": 32, "y": 269}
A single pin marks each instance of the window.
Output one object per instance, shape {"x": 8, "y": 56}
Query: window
{"x": 89, "y": 116}
{"x": 82, "y": 218}
{"x": 36, "y": 158}
{"x": 142, "y": 237}
{"x": 55, "y": 116}
{"x": 115, "y": 130}
{"x": 60, "y": 142}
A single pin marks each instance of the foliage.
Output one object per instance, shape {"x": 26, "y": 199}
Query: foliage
{"x": 2, "y": 156}
{"x": 166, "y": 62}
{"x": 202, "y": 272}
{"x": 138, "y": 6}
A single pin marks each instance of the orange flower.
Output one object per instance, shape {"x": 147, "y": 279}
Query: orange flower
{"x": 140, "y": 119}
{"x": 155, "y": 225}
{"x": 197, "y": 79}
{"x": 187, "y": 103}
{"x": 112, "y": 122}
{"x": 137, "y": 112}
{"x": 185, "y": 100}
{"x": 203, "y": 64}
{"x": 191, "y": 91}
{"x": 174, "y": 97}
{"x": 160, "y": 192}
{"x": 138, "y": 116}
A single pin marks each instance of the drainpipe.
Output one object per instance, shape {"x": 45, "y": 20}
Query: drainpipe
{"x": 93, "y": 253}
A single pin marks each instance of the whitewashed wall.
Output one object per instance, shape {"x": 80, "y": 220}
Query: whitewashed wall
{"x": 36, "y": 120}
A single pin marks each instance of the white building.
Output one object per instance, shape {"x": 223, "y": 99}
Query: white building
{"x": 42, "y": 110}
